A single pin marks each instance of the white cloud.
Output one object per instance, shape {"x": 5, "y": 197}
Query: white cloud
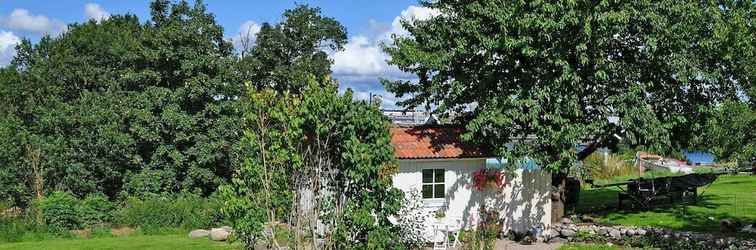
{"x": 364, "y": 57}
{"x": 247, "y": 33}
{"x": 96, "y": 12}
{"x": 359, "y": 57}
{"x": 23, "y": 20}
{"x": 8, "y": 42}
{"x": 363, "y": 62}
{"x": 412, "y": 13}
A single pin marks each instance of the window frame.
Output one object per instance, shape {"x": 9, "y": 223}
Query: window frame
{"x": 433, "y": 183}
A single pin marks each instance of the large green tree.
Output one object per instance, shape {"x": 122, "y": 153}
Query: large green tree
{"x": 561, "y": 73}
{"x": 122, "y": 105}
{"x": 286, "y": 54}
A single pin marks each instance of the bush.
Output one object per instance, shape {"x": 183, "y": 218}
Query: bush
{"x": 61, "y": 210}
{"x": 11, "y": 229}
{"x": 153, "y": 212}
{"x": 412, "y": 219}
{"x": 489, "y": 228}
{"x": 96, "y": 210}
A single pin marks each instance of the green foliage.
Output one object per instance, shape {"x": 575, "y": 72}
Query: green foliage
{"x": 560, "y": 70}
{"x": 119, "y": 101}
{"x": 316, "y": 137}
{"x": 730, "y": 134}
{"x": 489, "y": 228}
{"x": 61, "y": 210}
{"x": 11, "y": 230}
{"x": 96, "y": 209}
{"x": 287, "y": 54}
{"x": 260, "y": 190}
{"x": 24, "y": 228}
{"x": 152, "y": 213}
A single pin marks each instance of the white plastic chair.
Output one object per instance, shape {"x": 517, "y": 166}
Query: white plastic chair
{"x": 443, "y": 229}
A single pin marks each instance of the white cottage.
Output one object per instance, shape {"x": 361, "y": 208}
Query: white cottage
{"x": 434, "y": 160}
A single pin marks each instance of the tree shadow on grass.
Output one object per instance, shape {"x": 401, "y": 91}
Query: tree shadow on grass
{"x": 702, "y": 216}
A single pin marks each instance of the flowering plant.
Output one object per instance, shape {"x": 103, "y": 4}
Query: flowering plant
{"x": 488, "y": 178}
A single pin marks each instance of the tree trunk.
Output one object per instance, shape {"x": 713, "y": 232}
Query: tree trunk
{"x": 558, "y": 189}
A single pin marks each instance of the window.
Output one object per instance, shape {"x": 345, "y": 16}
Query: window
{"x": 433, "y": 183}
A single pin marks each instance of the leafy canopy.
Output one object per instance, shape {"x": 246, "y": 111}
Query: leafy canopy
{"x": 566, "y": 72}
{"x": 286, "y": 54}
{"x": 118, "y": 105}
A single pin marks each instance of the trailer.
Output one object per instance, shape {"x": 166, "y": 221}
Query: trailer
{"x": 645, "y": 192}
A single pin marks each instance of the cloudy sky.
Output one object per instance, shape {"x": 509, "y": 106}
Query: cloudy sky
{"x": 358, "y": 67}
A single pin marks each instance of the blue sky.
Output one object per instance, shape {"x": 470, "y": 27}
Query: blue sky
{"x": 358, "y": 67}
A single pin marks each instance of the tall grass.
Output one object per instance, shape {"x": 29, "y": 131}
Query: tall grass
{"x": 613, "y": 167}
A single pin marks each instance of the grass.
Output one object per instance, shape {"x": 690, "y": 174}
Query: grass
{"x": 156, "y": 242}
{"x": 588, "y": 247}
{"x": 731, "y": 197}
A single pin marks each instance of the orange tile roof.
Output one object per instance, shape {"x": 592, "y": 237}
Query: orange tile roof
{"x": 433, "y": 142}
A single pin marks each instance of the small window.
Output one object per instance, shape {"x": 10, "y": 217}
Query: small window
{"x": 433, "y": 184}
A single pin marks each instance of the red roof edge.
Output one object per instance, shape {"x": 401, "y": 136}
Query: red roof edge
{"x": 434, "y": 142}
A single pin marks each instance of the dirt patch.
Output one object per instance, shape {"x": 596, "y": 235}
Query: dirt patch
{"x": 122, "y": 231}
{"x": 82, "y": 233}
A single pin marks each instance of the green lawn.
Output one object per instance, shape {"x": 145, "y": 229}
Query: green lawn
{"x": 732, "y": 197}
{"x": 588, "y": 247}
{"x": 168, "y": 242}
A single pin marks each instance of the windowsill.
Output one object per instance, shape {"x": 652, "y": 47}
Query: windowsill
{"x": 434, "y": 203}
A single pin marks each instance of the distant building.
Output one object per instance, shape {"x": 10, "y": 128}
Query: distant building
{"x": 404, "y": 117}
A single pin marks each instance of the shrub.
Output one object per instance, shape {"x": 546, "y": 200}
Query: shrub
{"x": 489, "y": 228}
{"x": 11, "y": 229}
{"x": 61, "y": 210}
{"x": 96, "y": 210}
{"x": 153, "y": 212}
{"x": 412, "y": 220}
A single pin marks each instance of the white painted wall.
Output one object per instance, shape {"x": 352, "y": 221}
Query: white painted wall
{"x": 523, "y": 203}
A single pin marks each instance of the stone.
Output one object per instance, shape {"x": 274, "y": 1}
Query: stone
{"x": 219, "y": 234}
{"x": 602, "y": 231}
{"x": 227, "y": 228}
{"x": 566, "y": 220}
{"x": 623, "y": 231}
{"x": 527, "y": 240}
{"x": 630, "y": 232}
{"x": 749, "y": 229}
{"x": 199, "y": 233}
{"x": 551, "y": 233}
{"x": 727, "y": 225}
{"x": 615, "y": 234}
{"x": 568, "y": 233}
{"x": 558, "y": 240}
{"x": 641, "y": 232}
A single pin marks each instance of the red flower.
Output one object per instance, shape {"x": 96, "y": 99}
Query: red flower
{"x": 487, "y": 178}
